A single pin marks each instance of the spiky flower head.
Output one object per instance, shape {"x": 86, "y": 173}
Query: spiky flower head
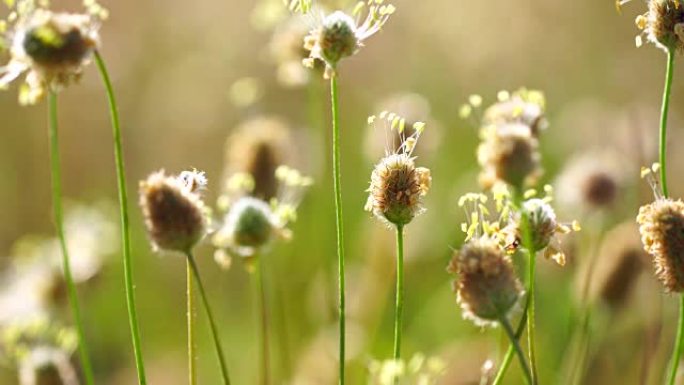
{"x": 397, "y": 186}
{"x": 508, "y": 153}
{"x": 661, "y": 224}
{"x": 51, "y": 48}
{"x": 486, "y": 286}
{"x": 339, "y": 35}
{"x": 175, "y": 215}
{"x": 662, "y": 24}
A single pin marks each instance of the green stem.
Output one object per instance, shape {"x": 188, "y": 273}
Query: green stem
{"x": 516, "y": 346}
{"x": 59, "y": 226}
{"x": 192, "y": 370}
{"x": 399, "y": 304}
{"x": 508, "y": 357}
{"x": 212, "y": 323}
{"x": 531, "y": 316}
{"x": 263, "y": 319}
{"x": 125, "y": 223}
{"x": 338, "y": 220}
{"x": 663, "y": 121}
{"x": 677, "y": 352}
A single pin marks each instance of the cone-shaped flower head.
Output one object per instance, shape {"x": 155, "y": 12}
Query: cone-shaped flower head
{"x": 397, "y": 186}
{"x": 510, "y": 154}
{"x": 662, "y": 24}
{"x": 174, "y": 212}
{"x": 661, "y": 225}
{"x": 51, "y": 48}
{"x": 486, "y": 286}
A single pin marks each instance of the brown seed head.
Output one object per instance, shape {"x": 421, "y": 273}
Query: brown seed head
{"x": 663, "y": 24}
{"x": 509, "y": 153}
{"x": 661, "y": 225}
{"x": 174, "y": 214}
{"x": 487, "y": 287}
{"x": 396, "y": 189}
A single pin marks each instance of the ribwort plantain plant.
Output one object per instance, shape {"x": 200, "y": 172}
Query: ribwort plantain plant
{"x": 337, "y": 36}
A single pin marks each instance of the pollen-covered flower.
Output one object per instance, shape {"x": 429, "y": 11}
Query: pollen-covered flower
{"x": 339, "y": 35}
{"x": 51, "y": 48}
{"x": 487, "y": 286}
{"x": 522, "y": 106}
{"x": 661, "y": 224}
{"x": 397, "y": 186}
{"x": 250, "y": 224}
{"x": 175, "y": 215}
{"x": 662, "y": 24}
{"x": 419, "y": 369}
{"x": 509, "y": 153}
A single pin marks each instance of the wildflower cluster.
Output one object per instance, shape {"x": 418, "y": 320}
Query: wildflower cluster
{"x": 51, "y": 48}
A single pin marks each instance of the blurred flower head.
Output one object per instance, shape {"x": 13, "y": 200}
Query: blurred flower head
{"x": 51, "y": 48}
{"x": 339, "y": 35}
{"x": 397, "y": 186}
{"x": 419, "y": 370}
{"x": 175, "y": 215}
{"x": 288, "y": 52}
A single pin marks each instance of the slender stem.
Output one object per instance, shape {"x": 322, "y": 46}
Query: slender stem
{"x": 577, "y": 375}
{"x": 677, "y": 352}
{"x": 516, "y": 346}
{"x": 125, "y": 223}
{"x": 59, "y": 226}
{"x": 399, "y": 304}
{"x": 212, "y": 323}
{"x": 192, "y": 370}
{"x": 263, "y": 319}
{"x": 338, "y": 219}
{"x": 508, "y": 357}
{"x": 663, "y": 121}
{"x": 531, "y": 316}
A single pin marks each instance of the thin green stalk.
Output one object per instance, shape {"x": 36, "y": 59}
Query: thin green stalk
{"x": 125, "y": 223}
{"x": 663, "y": 120}
{"x": 263, "y": 319}
{"x": 59, "y": 226}
{"x": 192, "y": 370}
{"x": 531, "y": 315}
{"x": 399, "y": 304}
{"x": 508, "y": 357}
{"x": 516, "y": 346}
{"x": 677, "y": 352}
{"x": 334, "y": 99}
{"x": 212, "y": 323}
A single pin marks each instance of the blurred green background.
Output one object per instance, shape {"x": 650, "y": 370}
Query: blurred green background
{"x": 175, "y": 65}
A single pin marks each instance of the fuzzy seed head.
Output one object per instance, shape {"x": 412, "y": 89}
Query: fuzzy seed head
{"x": 249, "y": 225}
{"x": 337, "y": 37}
{"x": 509, "y": 154}
{"x": 541, "y": 220}
{"x": 663, "y": 24}
{"x": 487, "y": 287}
{"x": 661, "y": 225}
{"x": 175, "y": 215}
{"x": 397, "y": 188}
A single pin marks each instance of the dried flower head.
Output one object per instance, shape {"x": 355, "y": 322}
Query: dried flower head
{"x": 662, "y": 24}
{"x": 51, "y": 48}
{"x": 174, "y": 212}
{"x": 620, "y": 261}
{"x": 250, "y": 224}
{"x": 508, "y": 153}
{"x": 397, "y": 186}
{"x": 487, "y": 286}
{"x": 338, "y": 35}
{"x": 257, "y": 148}
{"x": 661, "y": 224}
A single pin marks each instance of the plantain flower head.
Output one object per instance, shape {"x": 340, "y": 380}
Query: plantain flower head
{"x": 662, "y": 24}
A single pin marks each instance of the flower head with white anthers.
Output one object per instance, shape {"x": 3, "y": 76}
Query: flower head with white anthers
{"x": 249, "y": 223}
{"x": 50, "y": 48}
{"x": 397, "y": 186}
{"x": 339, "y": 35}
{"x": 662, "y": 24}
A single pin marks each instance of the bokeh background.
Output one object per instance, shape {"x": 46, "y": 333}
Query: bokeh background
{"x": 188, "y": 73}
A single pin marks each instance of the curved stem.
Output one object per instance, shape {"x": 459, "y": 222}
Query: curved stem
{"x": 125, "y": 225}
{"x": 516, "y": 346}
{"x": 677, "y": 352}
{"x": 399, "y": 304}
{"x": 56, "y": 173}
{"x": 263, "y": 319}
{"x": 192, "y": 370}
{"x": 212, "y": 323}
{"x": 663, "y": 121}
{"x": 338, "y": 220}
{"x": 506, "y": 362}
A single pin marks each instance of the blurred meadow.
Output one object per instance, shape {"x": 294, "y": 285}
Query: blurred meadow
{"x": 188, "y": 75}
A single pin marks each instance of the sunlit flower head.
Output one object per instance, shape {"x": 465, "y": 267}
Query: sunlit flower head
{"x": 662, "y": 24}
{"x": 522, "y": 106}
{"x": 339, "y": 35}
{"x": 419, "y": 370}
{"x": 50, "y": 48}
{"x": 175, "y": 215}
{"x": 288, "y": 52}
{"x": 397, "y": 186}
